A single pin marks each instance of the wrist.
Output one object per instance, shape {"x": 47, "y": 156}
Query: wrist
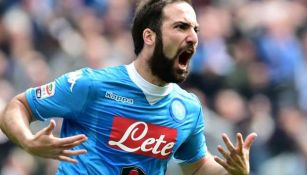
{"x": 27, "y": 142}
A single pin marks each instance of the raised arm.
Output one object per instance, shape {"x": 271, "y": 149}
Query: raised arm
{"x": 235, "y": 162}
{"x": 15, "y": 123}
{"x": 15, "y": 120}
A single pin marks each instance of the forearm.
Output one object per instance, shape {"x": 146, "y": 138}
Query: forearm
{"x": 205, "y": 166}
{"x": 15, "y": 121}
{"x": 210, "y": 166}
{"x": 235, "y": 161}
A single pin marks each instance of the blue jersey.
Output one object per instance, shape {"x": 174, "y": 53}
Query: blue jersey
{"x": 127, "y": 133}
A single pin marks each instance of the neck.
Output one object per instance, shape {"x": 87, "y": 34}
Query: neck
{"x": 143, "y": 68}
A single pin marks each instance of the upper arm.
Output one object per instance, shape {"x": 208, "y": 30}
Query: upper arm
{"x": 16, "y": 118}
{"x": 65, "y": 97}
{"x": 22, "y": 100}
{"x": 17, "y": 105}
{"x": 194, "y": 147}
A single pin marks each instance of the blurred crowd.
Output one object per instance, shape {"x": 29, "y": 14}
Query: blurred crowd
{"x": 250, "y": 69}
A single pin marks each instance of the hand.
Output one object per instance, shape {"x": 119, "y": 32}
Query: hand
{"x": 44, "y": 144}
{"x": 236, "y": 158}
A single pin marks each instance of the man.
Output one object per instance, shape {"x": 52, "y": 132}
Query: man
{"x": 128, "y": 119}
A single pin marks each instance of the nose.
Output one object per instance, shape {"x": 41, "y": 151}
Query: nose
{"x": 192, "y": 37}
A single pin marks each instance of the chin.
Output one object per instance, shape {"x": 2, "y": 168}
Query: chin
{"x": 179, "y": 78}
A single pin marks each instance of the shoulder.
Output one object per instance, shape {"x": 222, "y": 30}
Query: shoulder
{"x": 187, "y": 96}
{"x": 190, "y": 101}
{"x": 97, "y": 74}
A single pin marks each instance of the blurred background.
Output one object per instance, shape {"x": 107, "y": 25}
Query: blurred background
{"x": 250, "y": 69}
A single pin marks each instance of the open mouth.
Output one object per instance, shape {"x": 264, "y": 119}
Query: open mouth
{"x": 185, "y": 56}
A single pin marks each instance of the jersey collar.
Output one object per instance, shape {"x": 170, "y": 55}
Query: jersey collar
{"x": 153, "y": 93}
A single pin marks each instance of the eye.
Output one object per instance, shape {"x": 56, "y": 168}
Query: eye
{"x": 196, "y": 29}
{"x": 182, "y": 26}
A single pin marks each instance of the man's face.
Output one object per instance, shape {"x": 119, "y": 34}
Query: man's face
{"x": 174, "y": 49}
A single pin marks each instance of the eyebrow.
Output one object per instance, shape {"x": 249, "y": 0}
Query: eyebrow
{"x": 186, "y": 23}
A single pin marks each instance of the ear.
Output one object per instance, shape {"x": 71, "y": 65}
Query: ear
{"x": 149, "y": 37}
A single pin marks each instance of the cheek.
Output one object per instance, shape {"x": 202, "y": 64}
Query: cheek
{"x": 172, "y": 41}
{"x": 170, "y": 48}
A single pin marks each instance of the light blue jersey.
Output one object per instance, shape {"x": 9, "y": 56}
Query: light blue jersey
{"x": 127, "y": 133}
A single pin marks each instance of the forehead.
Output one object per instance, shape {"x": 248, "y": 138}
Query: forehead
{"x": 179, "y": 11}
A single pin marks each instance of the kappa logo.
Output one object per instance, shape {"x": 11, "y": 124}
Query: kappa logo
{"x": 45, "y": 91}
{"x": 73, "y": 77}
{"x": 113, "y": 96}
{"x": 142, "y": 138}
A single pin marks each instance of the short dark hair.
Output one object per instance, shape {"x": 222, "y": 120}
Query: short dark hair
{"x": 148, "y": 15}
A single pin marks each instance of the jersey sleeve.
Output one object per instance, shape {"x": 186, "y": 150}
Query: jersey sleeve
{"x": 65, "y": 97}
{"x": 194, "y": 148}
